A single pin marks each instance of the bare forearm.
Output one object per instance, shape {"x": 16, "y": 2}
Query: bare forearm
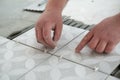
{"x": 56, "y": 5}
{"x": 118, "y": 16}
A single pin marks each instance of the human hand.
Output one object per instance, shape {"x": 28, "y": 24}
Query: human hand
{"x": 48, "y": 21}
{"x": 103, "y": 37}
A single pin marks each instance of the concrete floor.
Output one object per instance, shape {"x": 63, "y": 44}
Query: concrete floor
{"x": 13, "y": 18}
{"x": 91, "y": 11}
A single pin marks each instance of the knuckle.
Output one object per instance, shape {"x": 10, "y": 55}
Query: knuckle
{"x": 82, "y": 43}
{"x": 86, "y": 38}
{"x": 108, "y": 50}
{"x": 99, "y": 50}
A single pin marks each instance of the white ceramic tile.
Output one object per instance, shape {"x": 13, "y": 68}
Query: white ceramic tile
{"x": 3, "y": 40}
{"x": 17, "y": 59}
{"x": 55, "y": 69}
{"x": 29, "y": 38}
{"x": 112, "y": 78}
{"x": 68, "y": 33}
{"x": 105, "y": 62}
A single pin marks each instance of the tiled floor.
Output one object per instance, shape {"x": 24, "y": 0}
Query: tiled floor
{"x": 53, "y": 69}
{"x": 105, "y": 62}
{"x": 24, "y": 59}
{"x": 17, "y": 59}
{"x": 20, "y": 61}
{"x": 67, "y": 35}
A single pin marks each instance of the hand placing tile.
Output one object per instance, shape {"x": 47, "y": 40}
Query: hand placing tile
{"x": 17, "y": 59}
{"x": 101, "y": 62}
{"x": 29, "y": 39}
{"x": 67, "y": 35}
{"x": 52, "y": 69}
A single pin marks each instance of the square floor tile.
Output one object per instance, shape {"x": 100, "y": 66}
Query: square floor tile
{"x": 17, "y": 59}
{"x": 105, "y": 62}
{"x": 56, "y": 69}
{"x": 67, "y": 35}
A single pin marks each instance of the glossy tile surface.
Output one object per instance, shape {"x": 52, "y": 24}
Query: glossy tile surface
{"x": 55, "y": 69}
{"x": 17, "y": 59}
{"x": 68, "y": 33}
{"x": 104, "y": 62}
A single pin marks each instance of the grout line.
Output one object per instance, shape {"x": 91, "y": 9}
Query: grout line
{"x": 69, "y": 42}
{"x": 74, "y": 61}
{"x": 47, "y": 57}
{"x": 47, "y": 53}
{"x": 53, "y": 54}
{"x": 86, "y": 66}
{"x": 35, "y": 67}
{"x": 107, "y": 77}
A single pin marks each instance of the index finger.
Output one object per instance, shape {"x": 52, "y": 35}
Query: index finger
{"x": 84, "y": 41}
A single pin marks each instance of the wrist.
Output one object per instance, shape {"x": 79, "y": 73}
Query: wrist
{"x": 117, "y": 16}
{"x": 55, "y": 6}
{"x": 54, "y": 11}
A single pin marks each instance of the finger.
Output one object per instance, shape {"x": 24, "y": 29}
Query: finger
{"x": 84, "y": 41}
{"x": 39, "y": 35}
{"x": 57, "y": 32}
{"x": 93, "y": 42}
{"x": 110, "y": 46}
{"x": 46, "y": 32}
{"x": 101, "y": 46}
